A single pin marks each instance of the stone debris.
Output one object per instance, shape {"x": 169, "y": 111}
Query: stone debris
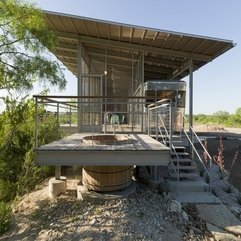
{"x": 221, "y": 217}
{"x": 148, "y": 215}
{"x": 145, "y": 215}
{"x": 220, "y": 234}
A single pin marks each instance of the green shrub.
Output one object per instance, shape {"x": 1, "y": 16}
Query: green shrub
{"x": 207, "y": 178}
{"x": 239, "y": 198}
{"x": 32, "y": 174}
{"x": 7, "y": 191}
{"x": 5, "y": 217}
{"x": 228, "y": 188}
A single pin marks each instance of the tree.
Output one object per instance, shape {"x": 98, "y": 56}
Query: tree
{"x": 238, "y": 111}
{"x": 24, "y": 39}
{"x": 221, "y": 117}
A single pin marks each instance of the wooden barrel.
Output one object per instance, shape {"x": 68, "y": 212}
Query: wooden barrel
{"x": 106, "y": 178}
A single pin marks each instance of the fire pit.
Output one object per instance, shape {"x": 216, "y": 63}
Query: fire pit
{"x": 107, "y": 139}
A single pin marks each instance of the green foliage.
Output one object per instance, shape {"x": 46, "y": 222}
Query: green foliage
{"x": 227, "y": 188}
{"x": 5, "y": 217}
{"x": 24, "y": 40}
{"x": 7, "y": 190}
{"x": 239, "y": 198}
{"x": 222, "y": 118}
{"x": 238, "y": 111}
{"x": 207, "y": 178}
{"x": 31, "y": 174}
{"x": 18, "y": 172}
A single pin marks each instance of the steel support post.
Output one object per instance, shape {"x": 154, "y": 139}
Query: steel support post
{"x": 191, "y": 103}
{"x": 58, "y": 125}
{"x": 57, "y": 172}
{"x": 79, "y": 84}
{"x": 36, "y": 123}
{"x": 142, "y": 90}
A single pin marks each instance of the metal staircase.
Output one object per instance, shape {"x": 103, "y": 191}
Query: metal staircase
{"x": 184, "y": 180}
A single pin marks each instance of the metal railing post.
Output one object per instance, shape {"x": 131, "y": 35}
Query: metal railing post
{"x": 57, "y": 172}
{"x": 36, "y": 123}
{"x": 58, "y": 118}
{"x": 70, "y": 116}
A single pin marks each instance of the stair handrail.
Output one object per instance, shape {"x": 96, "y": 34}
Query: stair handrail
{"x": 157, "y": 106}
{"x": 194, "y": 148}
{"x": 200, "y": 142}
{"x": 176, "y": 170}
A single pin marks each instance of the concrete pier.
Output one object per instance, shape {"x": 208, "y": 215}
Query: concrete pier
{"x": 57, "y": 186}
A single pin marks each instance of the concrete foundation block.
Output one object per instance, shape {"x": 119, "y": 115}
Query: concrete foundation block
{"x": 81, "y": 191}
{"x": 154, "y": 184}
{"x": 57, "y": 186}
{"x": 84, "y": 194}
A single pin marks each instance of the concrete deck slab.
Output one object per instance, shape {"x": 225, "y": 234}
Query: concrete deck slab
{"x": 221, "y": 217}
{"x": 84, "y": 194}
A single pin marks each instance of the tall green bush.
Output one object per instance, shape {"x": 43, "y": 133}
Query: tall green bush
{"x": 17, "y": 143}
{"x": 5, "y": 217}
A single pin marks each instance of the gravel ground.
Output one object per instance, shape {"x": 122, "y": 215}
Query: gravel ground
{"x": 145, "y": 215}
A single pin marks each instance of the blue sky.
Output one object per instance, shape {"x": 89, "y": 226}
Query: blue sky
{"x": 217, "y": 86}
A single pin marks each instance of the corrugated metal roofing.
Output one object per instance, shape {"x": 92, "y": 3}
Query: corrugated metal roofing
{"x": 167, "y": 54}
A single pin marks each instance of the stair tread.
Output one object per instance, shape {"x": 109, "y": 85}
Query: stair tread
{"x": 187, "y": 183}
{"x": 182, "y": 160}
{"x": 186, "y": 167}
{"x": 180, "y": 153}
{"x": 180, "y": 147}
{"x": 185, "y": 175}
{"x": 199, "y": 197}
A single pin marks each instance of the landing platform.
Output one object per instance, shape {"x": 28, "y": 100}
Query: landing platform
{"x": 72, "y": 150}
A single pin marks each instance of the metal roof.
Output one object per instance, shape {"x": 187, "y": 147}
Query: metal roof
{"x": 167, "y": 54}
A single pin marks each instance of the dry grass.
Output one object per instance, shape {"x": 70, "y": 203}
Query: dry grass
{"x": 229, "y": 152}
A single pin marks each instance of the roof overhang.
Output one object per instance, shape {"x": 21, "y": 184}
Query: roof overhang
{"x": 167, "y": 54}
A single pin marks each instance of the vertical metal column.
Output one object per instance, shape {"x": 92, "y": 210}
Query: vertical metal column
{"x": 142, "y": 91}
{"x": 70, "y": 116}
{"x": 191, "y": 102}
{"x": 36, "y": 123}
{"x": 58, "y": 125}
{"x": 105, "y": 73}
{"x": 132, "y": 74}
{"x": 132, "y": 90}
{"x": 57, "y": 172}
{"x": 79, "y": 84}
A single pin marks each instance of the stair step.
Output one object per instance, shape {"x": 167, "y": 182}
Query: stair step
{"x": 184, "y": 175}
{"x": 180, "y": 154}
{"x": 197, "y": 185}
{"x": 196, "y": 197}
{"x": 189, "y": 168}
{"x": 180, "y": 149}
{"x": 182, "y": 160}
{"x": 177, "y": 142}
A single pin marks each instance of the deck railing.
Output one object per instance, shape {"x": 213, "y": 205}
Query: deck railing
{"x": 107, "y": 114}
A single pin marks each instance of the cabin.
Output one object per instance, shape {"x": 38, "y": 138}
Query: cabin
{"x": 128, "y": 108}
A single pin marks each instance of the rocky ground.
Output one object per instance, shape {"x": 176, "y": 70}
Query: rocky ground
{"x": 145, "y": 215}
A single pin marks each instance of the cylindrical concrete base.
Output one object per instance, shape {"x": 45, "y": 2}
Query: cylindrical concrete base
{"x": 57, "y": 187}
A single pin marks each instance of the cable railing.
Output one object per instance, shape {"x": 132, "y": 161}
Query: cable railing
{"x": 162, "y": 113}
{"x": 190, "y": 139}
{"x": 97, "y": 114}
